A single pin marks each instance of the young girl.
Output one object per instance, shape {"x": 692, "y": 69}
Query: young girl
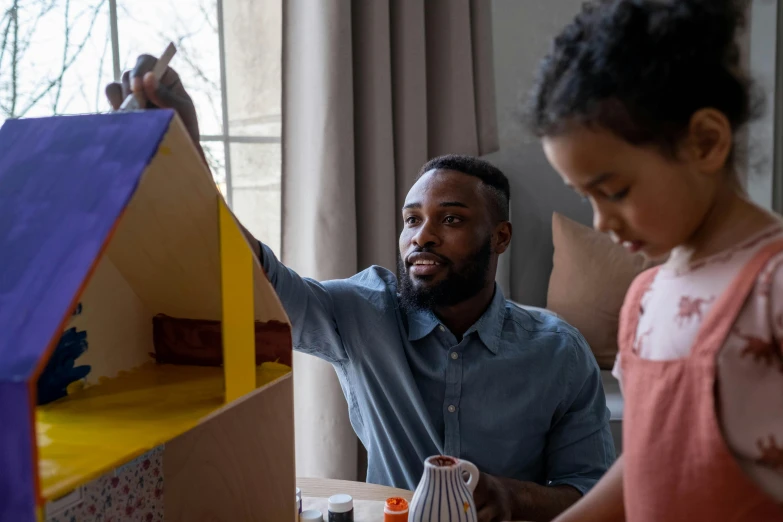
{"x": 638, "y": 105}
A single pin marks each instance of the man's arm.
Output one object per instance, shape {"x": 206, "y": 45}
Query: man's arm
{"x": 579, "y": 450}
{"x": 579, "y": 446}
{"x": 507, "y": 499}
{"x": 307, "y": 303}
{"x": 500, "y": 499}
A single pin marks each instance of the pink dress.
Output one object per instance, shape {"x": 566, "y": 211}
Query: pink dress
{"x": 683, "y": 461}
{"x": 749, "y": 361}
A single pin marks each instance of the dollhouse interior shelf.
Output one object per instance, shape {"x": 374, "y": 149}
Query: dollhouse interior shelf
{"x": 103, "y": 426}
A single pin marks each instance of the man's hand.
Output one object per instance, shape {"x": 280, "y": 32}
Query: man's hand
{"x": 500, "y": 499}
{"x": 169, "y": 93}
{"x": 493, "y": 501}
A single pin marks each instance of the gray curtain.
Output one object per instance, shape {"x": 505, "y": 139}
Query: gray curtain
{"x": 371, "y": 90}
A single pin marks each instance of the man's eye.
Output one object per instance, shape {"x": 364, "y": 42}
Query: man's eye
{"x": 410, "y": 220}
{"x": 452, "y": 219}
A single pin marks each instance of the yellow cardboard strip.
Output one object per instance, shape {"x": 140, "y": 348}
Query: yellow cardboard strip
{"x": 236, "y": 279}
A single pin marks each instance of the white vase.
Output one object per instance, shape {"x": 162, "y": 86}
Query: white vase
{"x": 444, "y": 494}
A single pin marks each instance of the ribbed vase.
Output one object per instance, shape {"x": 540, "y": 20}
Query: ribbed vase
{"x": 443, "y": 494}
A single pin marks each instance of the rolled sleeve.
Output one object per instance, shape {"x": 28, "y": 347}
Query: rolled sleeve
{"x": 309, "y": 307}
{"x": 579, "y": 446}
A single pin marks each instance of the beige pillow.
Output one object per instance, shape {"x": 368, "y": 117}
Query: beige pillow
{"x": 588, "y": 283}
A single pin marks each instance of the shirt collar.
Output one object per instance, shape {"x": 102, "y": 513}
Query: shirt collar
{"x": 489, "y": 326}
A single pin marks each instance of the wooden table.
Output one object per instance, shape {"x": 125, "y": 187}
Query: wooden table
{"x": 325, "y": 488}
{"x": 369, "y": 499}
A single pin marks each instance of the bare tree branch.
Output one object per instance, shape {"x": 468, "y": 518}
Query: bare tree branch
{"x": 208, "y": 15}
{"x": 26, "y": 42}
{"x": 99, "y": 89}
{"x": 59, "y": 90}
{"x": 52, "y": 83}
{"x": 6, "y": 32}
{"x": 14, "y": 56}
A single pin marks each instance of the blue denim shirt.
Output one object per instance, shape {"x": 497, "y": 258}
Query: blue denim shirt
{"x": 520, "y": 395}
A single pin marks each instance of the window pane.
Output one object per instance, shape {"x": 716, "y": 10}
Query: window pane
{"x": 255, "y": 180}
{"x": 147, "y": 26}
{"x": 253, "y": 66}
{"x": 57, "y": 61}
{"x": 216, "y": 157}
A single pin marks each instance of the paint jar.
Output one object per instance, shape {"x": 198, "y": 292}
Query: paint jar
{"x": 341, "y": 508}
{"x": 395, "y": 510}
{"x": 311, "y": 515}
{"x": 298, "y": 506}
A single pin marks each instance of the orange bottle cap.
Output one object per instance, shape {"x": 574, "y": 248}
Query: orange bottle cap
{"x": 396, "y": 505}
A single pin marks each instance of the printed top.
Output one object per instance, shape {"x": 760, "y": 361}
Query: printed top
{"x": 750, "y": 364}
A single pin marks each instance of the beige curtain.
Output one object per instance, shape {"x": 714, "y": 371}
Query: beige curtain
{"x": 371, "y": 90}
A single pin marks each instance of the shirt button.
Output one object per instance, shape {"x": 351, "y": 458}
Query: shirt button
{"x": 442, "y": 328}
{"x": 452, "y": 408}
{"x": 454, "y": 355}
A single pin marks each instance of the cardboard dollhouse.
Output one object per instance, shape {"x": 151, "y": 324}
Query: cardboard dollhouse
{"x": 145, "y": 360}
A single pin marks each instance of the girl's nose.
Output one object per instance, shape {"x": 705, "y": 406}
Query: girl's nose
{"x": 605, "y": 222}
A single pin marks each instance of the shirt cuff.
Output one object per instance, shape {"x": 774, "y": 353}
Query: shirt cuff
{"x": 583, "y": 485}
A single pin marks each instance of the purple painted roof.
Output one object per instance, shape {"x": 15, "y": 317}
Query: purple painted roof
{"x": 64, "y": 181}
{"x": 17, "y": 481}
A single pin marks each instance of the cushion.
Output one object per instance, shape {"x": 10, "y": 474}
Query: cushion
{"x": 590, "y": 276}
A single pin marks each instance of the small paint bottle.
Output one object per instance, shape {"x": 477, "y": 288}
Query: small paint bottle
{"x": 298, "y": 507}
{"x": 341, "y": 508}
{"x": 311, "y": 515}
{"x": 395, "y": 510}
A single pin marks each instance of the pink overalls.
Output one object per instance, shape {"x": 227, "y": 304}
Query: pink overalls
{"x": 676, "y": 465}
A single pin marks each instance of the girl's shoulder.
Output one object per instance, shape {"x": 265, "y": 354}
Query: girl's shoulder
{"x": 762, "y": 313}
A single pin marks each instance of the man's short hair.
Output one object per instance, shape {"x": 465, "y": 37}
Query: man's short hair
{"x": 496, "y": 183}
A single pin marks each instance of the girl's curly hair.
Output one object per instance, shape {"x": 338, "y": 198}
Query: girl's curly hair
{"x": 641, "y": 68}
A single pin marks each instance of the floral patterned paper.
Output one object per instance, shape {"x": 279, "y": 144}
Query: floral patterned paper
{"x": 130, "y": 493}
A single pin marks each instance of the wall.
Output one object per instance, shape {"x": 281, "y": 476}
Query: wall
{"x": 762, "y": 24}
{"x": 521, "y": 35}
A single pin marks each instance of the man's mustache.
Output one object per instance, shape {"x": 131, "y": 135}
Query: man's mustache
{"x": 441, "y": 258}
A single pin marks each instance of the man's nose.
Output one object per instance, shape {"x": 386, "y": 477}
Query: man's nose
{"x": 425, "y": 235}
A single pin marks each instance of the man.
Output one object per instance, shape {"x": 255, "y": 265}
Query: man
{"x": 437, "y": 361}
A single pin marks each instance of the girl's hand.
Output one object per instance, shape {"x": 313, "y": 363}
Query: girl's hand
{"x": 603, "y": 503}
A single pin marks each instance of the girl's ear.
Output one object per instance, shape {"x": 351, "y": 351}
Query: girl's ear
{"x": 710, "y": 140}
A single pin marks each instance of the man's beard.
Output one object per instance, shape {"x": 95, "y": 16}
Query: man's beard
{"x": 458, "y": 286}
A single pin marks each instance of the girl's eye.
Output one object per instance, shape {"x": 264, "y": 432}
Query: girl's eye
{"x": 617, "y": 196}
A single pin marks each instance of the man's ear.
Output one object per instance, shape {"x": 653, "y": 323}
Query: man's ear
{"x": 502, "y": 237}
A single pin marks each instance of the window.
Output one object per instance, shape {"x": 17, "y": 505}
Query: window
{"x": 56, "y": 57}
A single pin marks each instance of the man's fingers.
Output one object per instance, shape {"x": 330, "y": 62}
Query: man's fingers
{"x": 488, "y": 514}
{"x": 126, "y": 84}
{"x": 171, "y": 80}
{"x": 114, "y": 94}
{"x": 144, "y": 64}
{"x": 160, "y": 95}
